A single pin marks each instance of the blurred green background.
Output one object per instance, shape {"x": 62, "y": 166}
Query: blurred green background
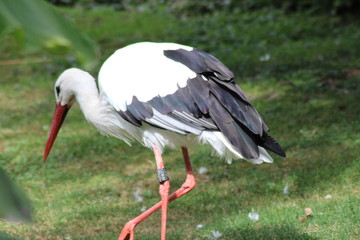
{"x": 298, "y": 62}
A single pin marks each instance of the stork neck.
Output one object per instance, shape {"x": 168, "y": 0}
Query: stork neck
{"x": 89, "y": 101}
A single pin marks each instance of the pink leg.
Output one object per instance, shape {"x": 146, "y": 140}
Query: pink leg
{"x": 164, "y": 193}
{"x": 189, "y": 184}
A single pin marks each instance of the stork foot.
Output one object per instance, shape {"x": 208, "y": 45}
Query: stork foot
{"x": 127, "y": 232}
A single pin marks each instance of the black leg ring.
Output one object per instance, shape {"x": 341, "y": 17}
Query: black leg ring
{"x": 162, "y": 175}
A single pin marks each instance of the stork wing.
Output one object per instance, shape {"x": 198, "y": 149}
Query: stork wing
{"x": 208, "y": 100}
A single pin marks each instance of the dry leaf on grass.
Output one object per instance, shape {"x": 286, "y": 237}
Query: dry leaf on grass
{"x": 308, "y": 212}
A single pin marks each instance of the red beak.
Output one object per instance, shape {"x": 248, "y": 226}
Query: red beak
{"x": 58, "y": 119}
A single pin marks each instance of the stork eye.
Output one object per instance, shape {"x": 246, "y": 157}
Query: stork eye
{"x": 57, "y": 90}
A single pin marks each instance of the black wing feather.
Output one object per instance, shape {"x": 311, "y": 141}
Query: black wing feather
{"x": 130, "y": 118}
{"x": 184, "y": 95}
{"x": 241, "y": 110}
{"x": 269, "y": 143}
{"x": 200, "y": 62}
{"x": 199, "y": 90}
{"x": 159, "y": 104}
{"x": 139, "y": 110}
{"x": 232, "y": 130}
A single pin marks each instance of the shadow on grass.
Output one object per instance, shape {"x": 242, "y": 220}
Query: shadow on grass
{"x": 267, "y": 233}
{"x": 320, "y": 134}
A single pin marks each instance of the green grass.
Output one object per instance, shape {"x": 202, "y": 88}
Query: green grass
{"x": 307, "y": 92}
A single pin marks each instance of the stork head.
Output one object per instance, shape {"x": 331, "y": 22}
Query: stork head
{"x": 67, "y": 87}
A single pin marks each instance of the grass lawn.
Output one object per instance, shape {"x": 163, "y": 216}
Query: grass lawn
{"x": 302, "y": 73}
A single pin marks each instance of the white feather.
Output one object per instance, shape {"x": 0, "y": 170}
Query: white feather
{"x": 172, "y": 124}
{"x": 224, "y": 148}
{"x": 143, "y": 71}
{"x": 192, "y": 119}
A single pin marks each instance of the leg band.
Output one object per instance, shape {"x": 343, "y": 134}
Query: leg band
{"x": 162, "y": 175}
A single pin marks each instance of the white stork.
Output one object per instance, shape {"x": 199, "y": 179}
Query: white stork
{"x": 166, "y": 94}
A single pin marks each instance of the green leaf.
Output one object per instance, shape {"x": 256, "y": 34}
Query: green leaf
{"x": 14, "y": 205}
{"x": 40, "y": 25}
